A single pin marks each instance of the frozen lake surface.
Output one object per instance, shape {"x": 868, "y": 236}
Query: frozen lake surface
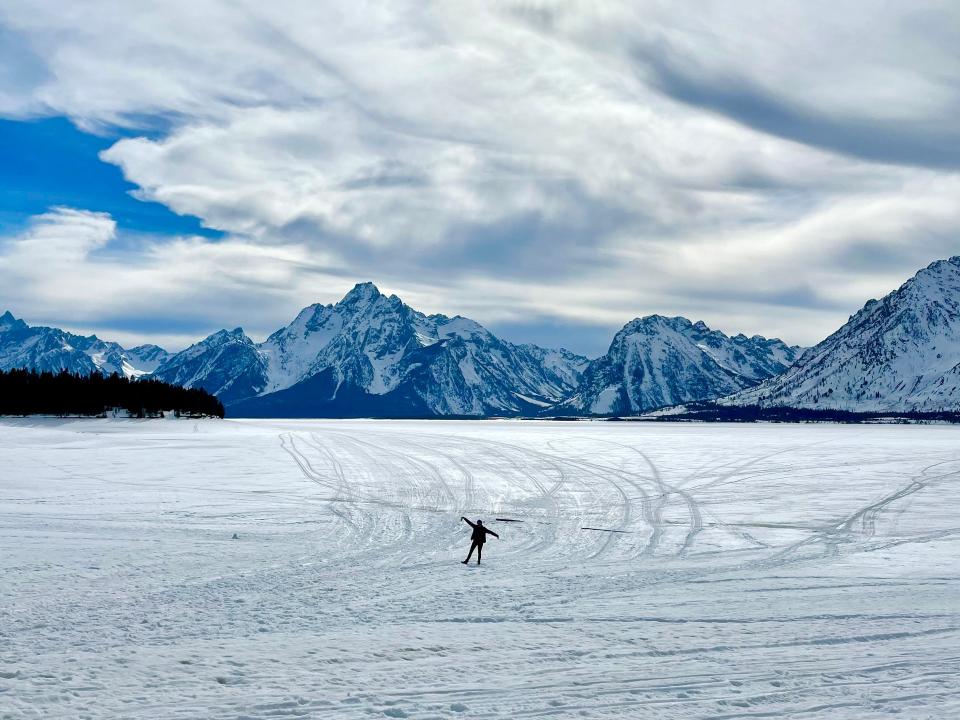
{"x": 769, "y": 571}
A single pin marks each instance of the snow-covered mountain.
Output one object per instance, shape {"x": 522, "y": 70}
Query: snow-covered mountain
{"x": 227, "y": 364}
{"x": 896, "y": 354}
{"x": 45, "y": 348}
{"x": 371, "y": 354}
{"x": 657, "y": 361}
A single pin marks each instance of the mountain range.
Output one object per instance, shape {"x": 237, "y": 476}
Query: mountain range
{"x": 658, "y": 361}
{"x": 370, "y": 354}
{"x": 45, "y": 348}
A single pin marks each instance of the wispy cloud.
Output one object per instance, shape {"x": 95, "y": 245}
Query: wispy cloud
{"x": 64, "y": 269}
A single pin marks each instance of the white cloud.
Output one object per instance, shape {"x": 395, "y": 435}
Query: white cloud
{"x": 757, "y": 165}
{"x": 60, "y": 237}
{"x": 61, "y": 270}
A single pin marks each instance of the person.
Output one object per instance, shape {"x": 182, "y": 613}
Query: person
{"x": 479, "y": 537}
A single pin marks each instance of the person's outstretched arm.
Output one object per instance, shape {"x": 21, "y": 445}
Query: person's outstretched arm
{"x": 491, "y": 532}
{"x": 467, "y": 521}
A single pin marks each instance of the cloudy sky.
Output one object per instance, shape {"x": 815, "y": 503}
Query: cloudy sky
{"x": 551, "y": 169}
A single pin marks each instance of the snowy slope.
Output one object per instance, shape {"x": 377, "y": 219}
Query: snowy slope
{"x": 146, "y": 358}
{"x": 371, "y": 354}
{"x": 898, "y": 353}
{"x": 656, "y": 361}
{"x": 52, "y": 349}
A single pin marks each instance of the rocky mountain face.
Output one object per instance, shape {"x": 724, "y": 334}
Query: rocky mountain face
{"x": 227, "y": 364}
{"x": 657, "y": 361}
{"x": 52, "y": 349}
{"x": 899, "y": 353}
{"x": 371, "y": 354}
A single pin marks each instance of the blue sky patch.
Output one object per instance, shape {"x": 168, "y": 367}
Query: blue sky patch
{"x": 50, "y": 162}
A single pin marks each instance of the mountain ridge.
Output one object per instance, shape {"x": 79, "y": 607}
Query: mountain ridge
{"x": 901, "y": 352}
{"x": 382, "y": 353}
{"x": 371, "y": 354}
{"x": 657, "y": 361}
{"x": 367, "y": 354}
{"x": 50, "y": 349}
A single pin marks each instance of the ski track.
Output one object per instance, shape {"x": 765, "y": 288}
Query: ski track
{"x": 751, "y": 572}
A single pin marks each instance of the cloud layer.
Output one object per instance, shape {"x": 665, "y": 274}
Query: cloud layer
{"x": 766, "y": 167}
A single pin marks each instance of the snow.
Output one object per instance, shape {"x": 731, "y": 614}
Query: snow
{"x": 605, "y": 399}
{"x": 424, "y": 339}
{"x": 532, "y": 401}
{"x": 717, "y": 359}
{"x": 761, "y": 570}
{"x": 384, "y": 370}
{"x": 459, "y": 327}
{"x": 469, "y": 372}
{"x": 130, "y": 371}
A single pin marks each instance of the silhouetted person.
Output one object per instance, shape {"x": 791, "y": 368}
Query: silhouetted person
{"x": 479, "y": 537}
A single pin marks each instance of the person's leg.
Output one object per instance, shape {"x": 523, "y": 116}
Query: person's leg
{"x": 470, "y": 553}
{"x": 479, "y": 551}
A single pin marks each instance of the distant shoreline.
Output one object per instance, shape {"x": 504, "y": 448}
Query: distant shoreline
{"x": 704, "y": 414}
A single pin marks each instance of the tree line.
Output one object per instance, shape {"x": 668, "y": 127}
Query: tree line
{"x": 711, "y": 412}
{"x": 28, "y": 392}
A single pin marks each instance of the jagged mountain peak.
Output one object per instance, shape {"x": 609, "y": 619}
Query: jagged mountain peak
{"x": 52, "y": 349}
{"x": 362, "y": 295}
{"x": 656, "y": 319}
{"x": 360, "y": 301}
{"x": 901, "y": 352}
{"x": 656, "y": 361}
{"x": 220, "y": 338}
{"x": 654, "y": 323}
{"x": 9, "y": 322}
{"x": 236, "y": 334}
{"x": 362, "y": 290}
{"x": 147, "y": 348}
{"x": 937, "y": 277}
{"x": 226, "y": 363}
{"x": 950, "y": 264}
{"x": 371, "y": 351}
{"x": 931, "y": 296}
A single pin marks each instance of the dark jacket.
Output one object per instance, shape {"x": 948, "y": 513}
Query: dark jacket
{"x": 479, "y": 535}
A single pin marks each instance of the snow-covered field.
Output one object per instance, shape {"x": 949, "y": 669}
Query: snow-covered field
{"x": 757, "y": 571}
